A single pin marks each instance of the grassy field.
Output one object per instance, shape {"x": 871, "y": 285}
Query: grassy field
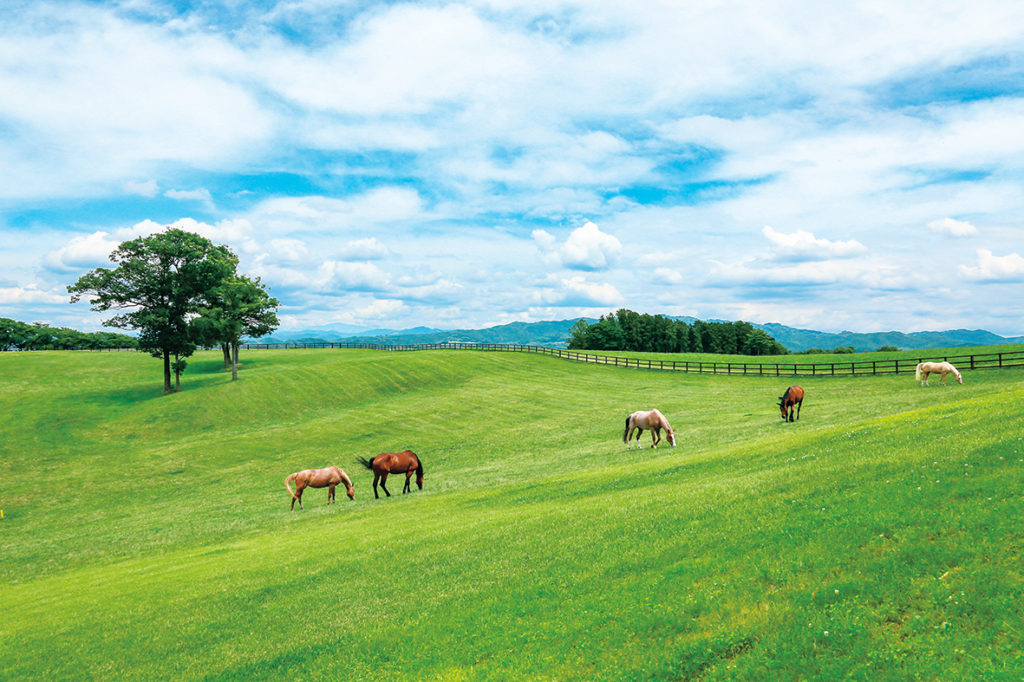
{"x": 149, "y": 537}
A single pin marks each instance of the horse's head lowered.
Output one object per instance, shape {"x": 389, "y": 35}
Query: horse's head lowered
{"x": 783, "y": 406}
{"x": 671, "y": 435}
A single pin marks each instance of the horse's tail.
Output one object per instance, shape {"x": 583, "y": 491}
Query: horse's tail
{"x": 287, "y": 481}
{"x": 626, "y": 432}
{"x": 917, "y": 372}
{"x": 368, "y": 463}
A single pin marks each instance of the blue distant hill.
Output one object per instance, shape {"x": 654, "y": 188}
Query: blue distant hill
{"x": 556, "y": 333}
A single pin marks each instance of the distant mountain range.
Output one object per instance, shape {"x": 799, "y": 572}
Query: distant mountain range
{"x": 556, "y": 333}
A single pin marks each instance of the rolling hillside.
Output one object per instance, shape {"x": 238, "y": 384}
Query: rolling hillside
{"x": 148, "y": 536}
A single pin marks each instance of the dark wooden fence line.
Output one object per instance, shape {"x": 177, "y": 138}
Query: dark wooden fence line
{"x": 854, "y": 368}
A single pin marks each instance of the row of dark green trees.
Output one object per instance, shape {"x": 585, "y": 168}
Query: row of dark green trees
{"x": 179, "y": 291}
{"x": 631, "y": 331}
{"x": 15, "y": 335}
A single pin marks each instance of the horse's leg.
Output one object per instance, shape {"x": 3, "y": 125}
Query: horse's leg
{"x": 383, "y": 480}
{"x": 376, "y": 477}
{"x": 299, "y": 487}
{"x": 655, "y": 437}
{"x": 330, "y": 493}
{"x": 639, "y": 432}
{"x": 798, "y": 406}
{"x": 408, "y": 477}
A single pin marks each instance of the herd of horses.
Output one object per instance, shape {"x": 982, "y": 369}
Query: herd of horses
{"x": 408, "y": 462}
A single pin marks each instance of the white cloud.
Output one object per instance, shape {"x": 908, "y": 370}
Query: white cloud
{"x": 202, "y": 195}
{"x": 588, "y": 248}
{"x": 577, "y": 292}
{"x": 147, "y": 188}
{"x": 318, "y": 213}
{"x": 666, "y": 276}
{"x": 991, "y": 268}
{"x": 29, "y": 294}
{"x": 952, "y": 227}
{"x": 363, "y": 249}
{"x": 90, "y": 251}
{"x": 802, "y": 245}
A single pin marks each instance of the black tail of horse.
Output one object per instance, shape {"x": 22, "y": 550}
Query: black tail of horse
{"x": 419, "y": 472}
{"x": 368, "y": 463}
{"x": 624, "y": 433}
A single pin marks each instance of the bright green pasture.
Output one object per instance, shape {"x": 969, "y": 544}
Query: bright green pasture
{"x": 824, "y": 358}
{"x": 149, "y": 537}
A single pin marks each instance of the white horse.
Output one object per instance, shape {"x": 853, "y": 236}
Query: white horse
{"x": 943, "y": 368}
{"x": 651, "y": 419}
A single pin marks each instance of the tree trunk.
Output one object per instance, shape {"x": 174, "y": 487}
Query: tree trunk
{"x": 177, "y": 374}
{"x": 167, "y": 371}
{"x": 226, "y": 347}
{"x": 234, "y": 365}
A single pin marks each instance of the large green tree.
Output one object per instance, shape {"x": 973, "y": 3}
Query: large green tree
{"x": 237, "y": 307}
{"x": 160, "y": 281}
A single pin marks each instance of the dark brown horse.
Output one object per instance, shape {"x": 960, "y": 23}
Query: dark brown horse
{"x": 405, "y": 462}
{"x": 318, "y": 478}
{"x": 793, "y": 397}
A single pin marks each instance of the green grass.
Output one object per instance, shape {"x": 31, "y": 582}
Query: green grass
{"x": 148, "y": 536}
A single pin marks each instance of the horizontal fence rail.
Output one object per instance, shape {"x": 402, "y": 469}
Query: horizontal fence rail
{"x": 854, "y": 368}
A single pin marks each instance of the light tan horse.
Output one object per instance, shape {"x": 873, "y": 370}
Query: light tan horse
{"x": 650, "y": 419}
{"x": 327, "y": 477}
{"x": 405, "y": 462}
{"x": 943, "y": 368}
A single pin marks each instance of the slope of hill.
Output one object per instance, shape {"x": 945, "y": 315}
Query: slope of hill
{"x": 149, "y": 537}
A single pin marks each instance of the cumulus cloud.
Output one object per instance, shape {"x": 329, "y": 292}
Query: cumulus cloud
{"x": 804, "y": 246}
{"x": 953, "y": 228}
{"x": 587, "y": 248}
{"x": 991, "y": 268}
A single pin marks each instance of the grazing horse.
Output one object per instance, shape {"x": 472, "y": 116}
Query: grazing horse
{"x": 943, "y": 368}
{"x": 405, "y": 462}
{"x": 651, "y": 419}
{"x": 318, "y": 478}
{"x": 793, "y": 397}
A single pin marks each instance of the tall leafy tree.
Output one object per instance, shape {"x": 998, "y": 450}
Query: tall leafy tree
{"x": 160, "y": 282}
{"x": 237, "y": 307}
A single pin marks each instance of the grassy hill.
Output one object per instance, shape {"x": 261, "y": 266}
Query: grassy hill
{"x": 148, "y": 536}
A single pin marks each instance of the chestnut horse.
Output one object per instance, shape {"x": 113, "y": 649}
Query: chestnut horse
{"x": 318, "y": 478}
{"x": 651, "y": 419}
{"x": 793, "y": 397}
{"x": 943, "y": 368}
{"x": 405, "y": 462}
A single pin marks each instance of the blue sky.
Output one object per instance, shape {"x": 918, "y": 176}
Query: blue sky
{"x": 464, "y": 164}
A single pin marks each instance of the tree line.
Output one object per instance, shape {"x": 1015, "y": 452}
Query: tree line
{"x": 631, "y": 331}
{"x": 15, "y": 336}
{"x": 179, "y": 291}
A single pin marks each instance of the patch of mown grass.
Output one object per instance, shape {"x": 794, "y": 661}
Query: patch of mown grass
{"x": 875, "y": 538}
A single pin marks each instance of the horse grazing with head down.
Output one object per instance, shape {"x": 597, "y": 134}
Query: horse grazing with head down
{"x": 943, "y": 368}
{"x": 793, "y": 397}
{"x": 405, "y": 462}
{"x": 327, "y": 477}
{"x": 649, "y": 419}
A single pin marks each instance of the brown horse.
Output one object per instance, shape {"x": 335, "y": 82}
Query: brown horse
{"x": 405, "y": 462}
{"x": 793, "y": 397}
{"x": 318, "y": 478}
{"x": 650, "y": 419}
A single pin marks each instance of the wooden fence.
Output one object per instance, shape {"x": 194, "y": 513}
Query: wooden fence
{"x": 853, "y": 368}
